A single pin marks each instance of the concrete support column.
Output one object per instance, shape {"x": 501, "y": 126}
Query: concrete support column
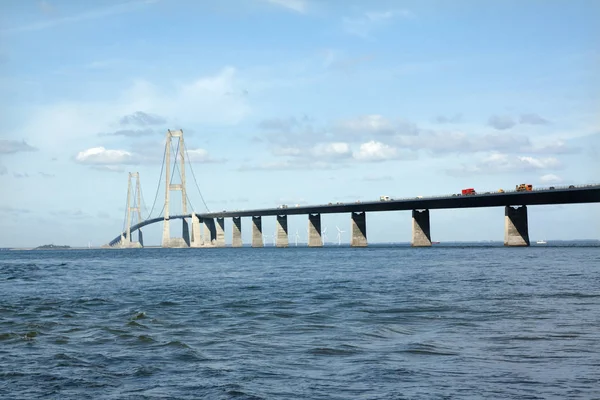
{"x": 257, "y": 236}
{"x": 359, "y": 229}
{"x": 282, "y": 231}
{"x": 185, "y": 232}
{"x": 236, "y": 232}
{"x": 210, "y": 232}
{"x": 196, "y": 240}
{"x": 516, "y": 228}
{"x": 128, "y": 244}
{"x": 140, "y": 237}
{"x": 166, "y": 236}
{"x": 421, "y": 235}
{"x": 314, "y": 230}
{"x": 220, "y": 240}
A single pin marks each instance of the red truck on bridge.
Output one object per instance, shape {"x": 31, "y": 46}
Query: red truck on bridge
{"x": 468, "y": 191}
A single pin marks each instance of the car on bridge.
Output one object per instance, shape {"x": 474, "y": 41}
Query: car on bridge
{"x": 524, "y": 187}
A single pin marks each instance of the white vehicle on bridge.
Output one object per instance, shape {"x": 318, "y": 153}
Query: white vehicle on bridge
{"x": 385, "y": 198}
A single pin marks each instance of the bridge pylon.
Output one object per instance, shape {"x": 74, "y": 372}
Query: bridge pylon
{"x": 167, "y": 240}
{"x": 126, "y": 241}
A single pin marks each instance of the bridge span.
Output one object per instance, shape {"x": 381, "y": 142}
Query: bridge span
{"x": 208, "y": 229}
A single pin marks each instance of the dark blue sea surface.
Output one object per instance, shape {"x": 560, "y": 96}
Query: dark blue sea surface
{"x": 299, "y": 323}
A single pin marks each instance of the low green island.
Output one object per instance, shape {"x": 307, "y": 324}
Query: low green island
{"x": 52, "y": 246}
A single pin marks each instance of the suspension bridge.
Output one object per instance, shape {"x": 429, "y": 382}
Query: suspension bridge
{"x": 208, "y": 228}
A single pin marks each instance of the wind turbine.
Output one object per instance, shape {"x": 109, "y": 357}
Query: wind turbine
{"x": 265, "y": 236}
{"x": 339, "y": 235}
{"x": 297, "y": 236}
{"x": 275, "y": 238}
{"x": 324, "y": 236}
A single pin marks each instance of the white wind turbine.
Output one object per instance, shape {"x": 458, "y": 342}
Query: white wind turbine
{"x": 324, "y": 236}
{"x": 275, "y": 238}
{"x": 297, "y": 236}
{"x": 265, "y": 237}
{"x": 339, "y": 235}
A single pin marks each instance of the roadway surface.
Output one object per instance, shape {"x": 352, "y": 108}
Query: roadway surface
{"x": 575, "y": 195}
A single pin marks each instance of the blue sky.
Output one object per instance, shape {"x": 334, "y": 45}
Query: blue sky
{"x": 296, "y": 102}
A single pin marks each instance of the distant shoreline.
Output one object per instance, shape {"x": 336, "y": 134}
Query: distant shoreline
{"x": 550, "y": 243}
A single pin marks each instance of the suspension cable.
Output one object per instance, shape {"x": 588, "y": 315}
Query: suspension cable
{"x": 194, "y": 176}
{"x": 143, "y": 203}
{"x": 136, "y": 205}
{"x": 171, "y": 179}
{"x": 162, "y": 166}
{"x": 174, "y": 168}
{"x": 126, "y": 206}
{"x": 189, "y": 201}
{"x": 180, "y": 177}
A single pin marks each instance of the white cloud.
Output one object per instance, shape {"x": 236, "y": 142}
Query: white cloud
{"x": 14, "y": 146}
{"x": 550, "y": 178}
{"x": 539, "y": 163}
{"x": 201, "y": 156}
{"x": 375, "y": 151}
{"x": 141, "y": 118}
{"x": 533, "y": 119}
{"x": 501, "y": 122}
{"x": 366, "y": 126}
{"x": 286, "y": 165}
{"x": 461, "y": 142}
{"x": 556, "y": 147}
{"x": 500, "y": 163}
{"x": 335, "y": 149}
{"x": 203, "y": 101}
{"x": 401, "y": 136}
{"x": 368, "y": 123}
{"x": 286, "y": 151}
{"x": 102, "y": 156}
{"x": 110, "y": 168}
{"x": 298, "y": 6}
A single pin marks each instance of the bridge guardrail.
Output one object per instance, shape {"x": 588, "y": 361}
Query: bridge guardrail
{"x": 537, "y": 189}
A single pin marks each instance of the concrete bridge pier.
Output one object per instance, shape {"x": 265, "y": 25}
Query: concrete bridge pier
{"x": 185, "y": 232}
{"x": 196, "y": 239}
{"x": 516, "y": 228}
{"x": 421, "y": 235}
{"x": 282, "y": 239}
{"x": 126, "y": 243}
{"x": 257, "y": 236}
{"x": 169, "y": 242}
{"x": 220, "y": 233}
{"x": 124, "y": 240}
{"x": 166, "y": 235}
{"x": 140, "y": 238}
{"x": 210, "y": 232}
{"x": 236, "y": 232}
{"x": 359, "y": 229}
{"x": 314, "y": 230}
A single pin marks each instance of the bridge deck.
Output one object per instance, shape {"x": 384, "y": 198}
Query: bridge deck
{"x": 581, "y": 194}
{"x": 588, "y": 194}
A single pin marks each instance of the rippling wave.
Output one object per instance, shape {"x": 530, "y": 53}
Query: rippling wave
{"x": 331, "y": 323}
